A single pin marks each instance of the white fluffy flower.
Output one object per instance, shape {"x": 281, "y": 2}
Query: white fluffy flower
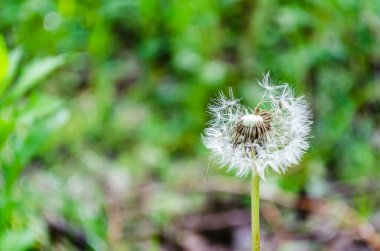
{"x": 273, "y": 134}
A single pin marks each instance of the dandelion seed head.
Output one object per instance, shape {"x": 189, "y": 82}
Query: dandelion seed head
{"x": 272, "y": 135}
{"x": 251, "y": 120}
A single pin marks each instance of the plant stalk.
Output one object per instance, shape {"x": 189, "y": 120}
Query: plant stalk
{"x": 255, "y": 212}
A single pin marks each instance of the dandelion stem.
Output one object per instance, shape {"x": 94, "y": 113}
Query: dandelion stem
{"x": 255, "y": 212}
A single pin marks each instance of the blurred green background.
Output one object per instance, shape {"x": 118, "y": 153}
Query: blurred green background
{"x": 102, "y": 104}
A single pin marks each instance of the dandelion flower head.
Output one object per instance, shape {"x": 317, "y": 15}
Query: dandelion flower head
{"x": 274, "y": 134}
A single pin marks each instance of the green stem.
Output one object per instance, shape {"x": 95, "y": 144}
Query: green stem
{"x": 255, "y": 212}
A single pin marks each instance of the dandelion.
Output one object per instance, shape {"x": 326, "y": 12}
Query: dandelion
{"x": 274, "y": 134}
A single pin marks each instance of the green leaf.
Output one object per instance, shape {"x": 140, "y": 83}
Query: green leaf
{"x": 38, "y": 107}
{"x": 35, "y": 73}
{"x": 3, "y": 60}
{"x": 17, "y": 240}
{"x": 38, "y": 134}
{"x": 14, "y": 60}
{"x": 6, "y": 127}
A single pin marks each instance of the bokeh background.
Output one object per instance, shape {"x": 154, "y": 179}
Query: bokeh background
{"x": 102, "y": 106}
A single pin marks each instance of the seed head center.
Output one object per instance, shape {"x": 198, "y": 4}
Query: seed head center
{"x": 252, "y": 129}
{"x": 251, "y": 120}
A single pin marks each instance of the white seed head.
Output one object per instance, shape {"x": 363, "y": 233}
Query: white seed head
{"x": 274, "y": 134}
{"x": 251, "y": 120}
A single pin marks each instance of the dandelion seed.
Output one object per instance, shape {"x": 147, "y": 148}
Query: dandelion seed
{"x": 272, "y": 135}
